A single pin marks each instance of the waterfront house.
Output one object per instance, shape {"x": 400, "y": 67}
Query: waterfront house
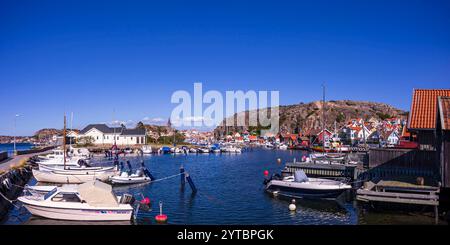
{"x": 324, "y": 135}
{"x": 443, "y": 139}
{"x": 101, "y": 134}
{"x": 423, "y": 114}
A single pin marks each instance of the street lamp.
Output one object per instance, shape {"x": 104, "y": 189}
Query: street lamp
{"x": 15, "y": 122}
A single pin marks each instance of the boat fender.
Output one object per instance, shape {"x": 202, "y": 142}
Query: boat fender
{"x": 145, "y": 201}
{"x": 6, "y": 184}
{"x": 292, "y": 206}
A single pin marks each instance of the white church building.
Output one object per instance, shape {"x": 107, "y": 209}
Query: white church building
{"x": 103, "y": 134}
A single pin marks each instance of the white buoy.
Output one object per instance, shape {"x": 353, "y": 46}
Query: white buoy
{"x": 292, "y": 206}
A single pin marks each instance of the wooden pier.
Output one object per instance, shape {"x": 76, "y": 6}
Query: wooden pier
{"x": 400, "y": 192}
{"x": 321, "y": 170}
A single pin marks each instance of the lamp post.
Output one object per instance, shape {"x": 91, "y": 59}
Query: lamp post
{"x": 15, "y": 122}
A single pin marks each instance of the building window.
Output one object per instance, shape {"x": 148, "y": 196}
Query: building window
{"x": 97, "y": 137}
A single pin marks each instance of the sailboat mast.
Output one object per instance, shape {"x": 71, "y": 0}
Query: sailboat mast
{"x": 64, "y": 141}
{"x": 71, "y": 128}
{"x": 323, "y": 118}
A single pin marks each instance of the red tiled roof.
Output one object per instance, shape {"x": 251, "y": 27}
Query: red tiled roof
{"x": 444, "y": 112}
{"x": 424, "y": 108}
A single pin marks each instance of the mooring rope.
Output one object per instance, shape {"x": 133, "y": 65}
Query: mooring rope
{"x": 165, "y": 178}
{"x": 9, "y": 200}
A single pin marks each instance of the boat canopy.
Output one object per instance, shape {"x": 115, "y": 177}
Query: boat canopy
{"x": 300, "y": 176}
{"x": 98, "y": 194}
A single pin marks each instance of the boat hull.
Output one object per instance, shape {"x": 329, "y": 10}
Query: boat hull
{"x": 300, "y": 190}
{"x": 79, "y": 214}
{"x": 129, "y": 180}
{"x": 75, "y": 178}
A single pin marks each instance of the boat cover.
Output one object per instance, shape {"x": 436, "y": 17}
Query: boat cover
{"x": 300, "y": 176}
{"x": 98, "y": 194}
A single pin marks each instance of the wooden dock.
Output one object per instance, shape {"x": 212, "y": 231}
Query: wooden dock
{"x": 321, "y": 170}
{"x": 400, "y": 192}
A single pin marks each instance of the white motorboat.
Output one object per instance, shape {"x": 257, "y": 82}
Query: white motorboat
{"x": 300, "y": 185}
{"x": 55, "y": 153}
{"x": 70, "y": 177}
{"x": 193, "y": 150}
{"x": 128, "y": 150}
{"x": 203, "y": 150}
{"x": 283, "y": 147}
{"x": 74, "y": 168}
{"x": 92, "y": 201}
{"x": 231, "y": 149}
{"x": 146, "y": 149}
{"x": 176, "y": 150}
{"x": 142, "y": 175}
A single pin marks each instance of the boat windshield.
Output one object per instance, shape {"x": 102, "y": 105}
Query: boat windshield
{"x": 50, "y": 193}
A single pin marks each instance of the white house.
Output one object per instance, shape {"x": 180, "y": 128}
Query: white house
{"x": 102, "y": 134}
{"x": 391, "y": 137}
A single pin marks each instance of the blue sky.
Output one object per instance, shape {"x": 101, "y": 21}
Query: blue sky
{"x": 93, "y": 57}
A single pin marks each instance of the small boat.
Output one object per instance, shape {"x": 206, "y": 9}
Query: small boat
{"x": 142, "y": 175}
{"x": 283, "y": 147}
{"x": 193, "y": 150}
{"x": 302, "y": 186}
{"x": 70, "y": 177}
{"x": 203, "y": 150}
{"x": 176, "y": 150}
{"x": 146, "y": 149}
{"x": 164, "y": 150}
{"x": 92, "y": 201}
{"x": 231, "y": 149}
{"x": 61, "y": 168}
{"x": 128, "y": 150}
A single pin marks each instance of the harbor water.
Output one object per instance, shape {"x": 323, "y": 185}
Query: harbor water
{"x": 19, "y": 146}
{"x": 230, "y": 191}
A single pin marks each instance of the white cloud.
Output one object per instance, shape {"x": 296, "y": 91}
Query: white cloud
{"x": 117, "y": 123}
{"x": 156, "y": 120}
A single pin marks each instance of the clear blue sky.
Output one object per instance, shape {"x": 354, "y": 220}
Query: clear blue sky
{"x": 89, "y": 57}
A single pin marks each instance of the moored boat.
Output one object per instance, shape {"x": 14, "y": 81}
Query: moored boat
{"x": 70, "y": 177}
{"x": 299, "y": 185}
{"x": 92, "y": 201}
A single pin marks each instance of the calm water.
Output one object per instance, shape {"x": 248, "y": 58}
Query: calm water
{"x": 19, "y": 146}
{"x": 230, "y": 191}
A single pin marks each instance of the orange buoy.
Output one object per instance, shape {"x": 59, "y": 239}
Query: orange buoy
{"x": 161, "y": 218}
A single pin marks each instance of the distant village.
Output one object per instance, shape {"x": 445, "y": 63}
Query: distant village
{"x": 370, "y": 132}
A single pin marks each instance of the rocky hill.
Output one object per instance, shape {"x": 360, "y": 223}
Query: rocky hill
{"x": 307, "y": 118}
{"x": 47, "y": 133}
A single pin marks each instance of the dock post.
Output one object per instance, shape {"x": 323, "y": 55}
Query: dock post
{"x": 191, "y": 183}
{"x": 436, "y": 215}
{"x": 183, "y": 175}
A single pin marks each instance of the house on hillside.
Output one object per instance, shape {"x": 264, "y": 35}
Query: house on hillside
{"x": 423, "y": 115}
{"x": 390, "y": 138}
{"x": 103, "y": 134}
